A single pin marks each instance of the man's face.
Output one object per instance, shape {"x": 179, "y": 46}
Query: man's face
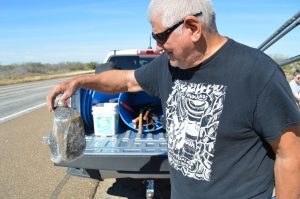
{"x": 179, "y": 47}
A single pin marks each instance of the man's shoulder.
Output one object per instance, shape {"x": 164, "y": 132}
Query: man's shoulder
{"x": 245, "y": 50}
{"x": 249, "y": 57}
{"x": 250, "y": 63}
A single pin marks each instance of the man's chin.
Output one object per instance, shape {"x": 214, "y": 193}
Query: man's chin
{"x": 176, "y": 64}
{"x": 173, "y": 63}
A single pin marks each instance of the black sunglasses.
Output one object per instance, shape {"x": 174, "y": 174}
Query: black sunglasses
{"x": 162, "y": 37}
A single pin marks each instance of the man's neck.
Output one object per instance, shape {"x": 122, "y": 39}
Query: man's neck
{"x": 209, "y": 45}
{"x": 214, "y": 43}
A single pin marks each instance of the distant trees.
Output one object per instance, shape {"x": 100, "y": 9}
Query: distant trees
{"x": 40, "y": 68}
{"x": 34, "y": 71}
{"x": 278, "y": 57}
{"x": 288, "y": 69}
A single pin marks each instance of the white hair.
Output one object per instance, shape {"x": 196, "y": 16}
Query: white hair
{"x": 172, "y": 11}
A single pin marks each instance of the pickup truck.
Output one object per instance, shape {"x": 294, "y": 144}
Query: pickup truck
{"x": 126, "y": 154}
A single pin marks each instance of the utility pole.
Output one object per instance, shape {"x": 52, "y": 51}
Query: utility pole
{"x": 150, "y": 47}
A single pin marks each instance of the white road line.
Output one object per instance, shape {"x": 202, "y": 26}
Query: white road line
{"x": 21, "y": 112}
{"x": 23, "y": 91}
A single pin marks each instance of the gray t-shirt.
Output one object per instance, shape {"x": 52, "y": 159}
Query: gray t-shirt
{"x": 219, "y": 117}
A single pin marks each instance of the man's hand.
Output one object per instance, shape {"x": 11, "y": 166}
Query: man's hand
{"x": 66, "y": 88}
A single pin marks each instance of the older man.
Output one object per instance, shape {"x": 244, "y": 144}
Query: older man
{"x": 230, "y": 114}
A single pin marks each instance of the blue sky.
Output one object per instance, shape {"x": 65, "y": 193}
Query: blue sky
{"x": 72, "y": 30}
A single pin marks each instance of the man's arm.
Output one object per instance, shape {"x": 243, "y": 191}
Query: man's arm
{"x": 113, "y": 81}
{"x": 287, "y": 164}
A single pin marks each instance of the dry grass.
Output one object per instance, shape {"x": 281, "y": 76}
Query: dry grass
{"x": 35, "y": 71}
{"x": 14, "y": 79}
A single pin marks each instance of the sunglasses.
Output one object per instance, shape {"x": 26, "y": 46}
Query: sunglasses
{"x": 162, "y": 37}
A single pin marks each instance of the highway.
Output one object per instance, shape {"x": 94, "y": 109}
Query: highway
{"x": 19, "y": 99}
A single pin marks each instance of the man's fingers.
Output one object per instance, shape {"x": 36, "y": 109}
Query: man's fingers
{"x": 65, "y": 89}
{"x": 50, "y": 101}
{"x": 65, "y": 96}
{"x": 52, "y": 96}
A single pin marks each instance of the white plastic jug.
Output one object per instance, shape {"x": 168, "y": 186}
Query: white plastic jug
{"x": 106, "y": 119}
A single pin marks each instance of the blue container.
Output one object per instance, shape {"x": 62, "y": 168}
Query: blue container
{"x": 140, "y": 101}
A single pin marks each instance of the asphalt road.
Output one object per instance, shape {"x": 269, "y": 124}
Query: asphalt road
{"x": 26, "y": 170}
{"x": 19, "y": 99}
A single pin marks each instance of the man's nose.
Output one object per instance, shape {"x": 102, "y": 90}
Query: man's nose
{"x": 159, "y": 47}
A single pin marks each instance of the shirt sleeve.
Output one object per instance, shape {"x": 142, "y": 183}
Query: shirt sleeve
{"x": 148, "y": 77}
{"x": 276, "y": 109}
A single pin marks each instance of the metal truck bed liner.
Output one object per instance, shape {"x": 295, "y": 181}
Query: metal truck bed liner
{"x": 127, "y": 151}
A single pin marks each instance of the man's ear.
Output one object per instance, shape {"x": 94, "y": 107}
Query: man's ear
{"x": 195, "y": 25}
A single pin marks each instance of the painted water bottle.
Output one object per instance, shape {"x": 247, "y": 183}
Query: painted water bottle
{"x": 67, "y": 138}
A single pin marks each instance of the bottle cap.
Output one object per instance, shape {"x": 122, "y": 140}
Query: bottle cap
{"x": 61, "y": 103}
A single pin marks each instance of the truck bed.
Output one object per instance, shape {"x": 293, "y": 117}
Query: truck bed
{"x": 127, "y": 151}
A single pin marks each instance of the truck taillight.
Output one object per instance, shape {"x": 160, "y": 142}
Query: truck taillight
{"x": 147, "y": 52}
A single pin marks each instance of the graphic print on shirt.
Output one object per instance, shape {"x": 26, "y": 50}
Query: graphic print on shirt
{"x": 193, "y": 113}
